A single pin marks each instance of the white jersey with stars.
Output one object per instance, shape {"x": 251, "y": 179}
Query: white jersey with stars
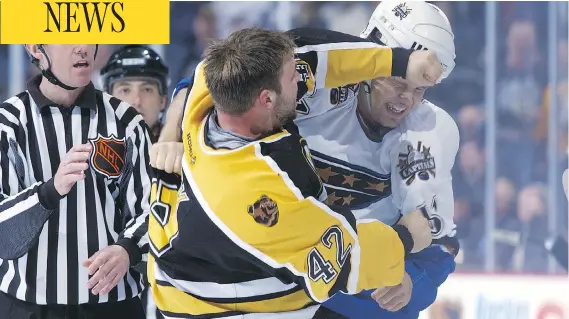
{"x": 409, "y": 169}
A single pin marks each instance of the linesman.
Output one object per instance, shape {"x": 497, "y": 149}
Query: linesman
{"x": 74, "y": 194}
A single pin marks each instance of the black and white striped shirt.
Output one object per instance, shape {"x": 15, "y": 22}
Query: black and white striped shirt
{"x": 44, "y": 239}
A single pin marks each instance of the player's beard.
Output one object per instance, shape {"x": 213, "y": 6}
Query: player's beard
{"x": 286, "y": 110}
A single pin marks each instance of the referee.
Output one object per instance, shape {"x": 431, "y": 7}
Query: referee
{"x": 74, "y": 194}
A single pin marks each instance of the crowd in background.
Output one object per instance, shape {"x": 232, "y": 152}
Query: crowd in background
{"x": 523, "y": 97}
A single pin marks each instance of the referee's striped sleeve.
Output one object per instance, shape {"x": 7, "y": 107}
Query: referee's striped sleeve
{"x": 134, "y": 238}
{"x": 22, "y": 215}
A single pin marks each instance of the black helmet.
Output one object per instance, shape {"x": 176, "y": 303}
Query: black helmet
{"x": 135, "y": 61}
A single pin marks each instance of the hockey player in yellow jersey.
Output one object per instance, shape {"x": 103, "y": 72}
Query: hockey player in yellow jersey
{"x": 387, "y": 154}
{"x": 246, "y": 236}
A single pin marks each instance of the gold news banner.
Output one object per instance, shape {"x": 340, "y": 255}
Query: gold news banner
{"x": 85, "y": 22}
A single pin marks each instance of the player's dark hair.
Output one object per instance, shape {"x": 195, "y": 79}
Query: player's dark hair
{"x": 238, "y": 68}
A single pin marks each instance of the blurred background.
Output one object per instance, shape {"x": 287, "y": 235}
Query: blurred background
{"x": 508, "y": 95}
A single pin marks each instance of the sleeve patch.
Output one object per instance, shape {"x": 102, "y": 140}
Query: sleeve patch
{"x": 416, "y": 162}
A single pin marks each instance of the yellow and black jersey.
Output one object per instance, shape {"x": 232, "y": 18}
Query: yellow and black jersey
{"x": 329, "y": 59}
{"x": 245, "y": 235}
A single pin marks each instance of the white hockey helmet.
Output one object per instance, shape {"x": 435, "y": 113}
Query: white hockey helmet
{"x": 414, "y": 25}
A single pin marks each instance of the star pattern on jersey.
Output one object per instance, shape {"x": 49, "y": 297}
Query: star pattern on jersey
{"x": 350, "y": 180}
{"x": 380, "y": 187}
{"x": 351, "y": 186}
{"x": 325, "y": 173}
{"x": 348, "y": 199}
{"x": 332, "y": 198}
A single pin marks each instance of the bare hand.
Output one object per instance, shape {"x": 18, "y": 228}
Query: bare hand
{"x": 419, "y": 228}
{"x": 107, "y": 266}
{"x": 71, "y": 168}
{"x": 423, "y": 69}
{"x": 396, "y": 297}
{"x": 167, "y": 156}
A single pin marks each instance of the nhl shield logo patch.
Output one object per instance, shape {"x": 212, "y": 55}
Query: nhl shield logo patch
{"x": 107, "y": 156}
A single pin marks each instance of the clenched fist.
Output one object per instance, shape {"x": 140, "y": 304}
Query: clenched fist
{"x": 423, "y": 69}
{"x": 71, "y": 168}
{"x": 167, "y": 156}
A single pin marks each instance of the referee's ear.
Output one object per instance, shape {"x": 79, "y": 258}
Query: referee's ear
{"x": 35, "y": 54}
{"x": 33, "y": 50}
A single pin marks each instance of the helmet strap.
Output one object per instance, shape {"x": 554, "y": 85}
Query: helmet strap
{"x": 48, "y": 74}
{"x": 47, "y": 71}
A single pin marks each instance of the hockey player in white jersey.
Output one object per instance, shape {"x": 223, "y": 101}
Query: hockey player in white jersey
{"x": 384, "y": 152}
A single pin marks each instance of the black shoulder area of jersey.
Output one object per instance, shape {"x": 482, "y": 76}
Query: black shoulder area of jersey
{"x": 307, "y": 60}
{"x": 315, "y": 36}
{"x": 292, "y": 156}
{"x": 169, "y": 178}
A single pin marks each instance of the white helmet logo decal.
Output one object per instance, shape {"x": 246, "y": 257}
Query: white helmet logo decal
{"x": 401, "y": 11}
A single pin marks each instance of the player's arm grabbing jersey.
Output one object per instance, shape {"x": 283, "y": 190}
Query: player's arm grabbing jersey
{"x": 247, "y": 234}
{"x": 329, "y": 59}
{"x": 422, "y": 157}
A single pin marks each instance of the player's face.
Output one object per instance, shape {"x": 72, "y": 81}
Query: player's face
{"x": 72, "y": 64}
{"x": 143, "y": 95}
{"x": 285, "y": 111}
{"x": 392, "y": 99}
